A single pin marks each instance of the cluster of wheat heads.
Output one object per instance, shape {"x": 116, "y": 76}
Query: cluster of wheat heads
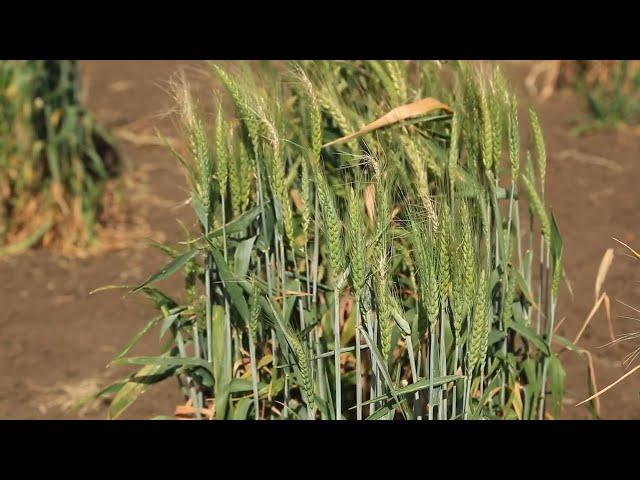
{"x": 383, "y": 275}
{"x": 52, "y": 157}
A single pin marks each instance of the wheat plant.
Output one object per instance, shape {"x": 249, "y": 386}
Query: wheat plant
{"x": 360, "y": 250}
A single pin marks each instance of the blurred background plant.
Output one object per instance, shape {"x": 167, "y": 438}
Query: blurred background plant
{"x": 610, "y": 89}
{"x": 55, "y": 160}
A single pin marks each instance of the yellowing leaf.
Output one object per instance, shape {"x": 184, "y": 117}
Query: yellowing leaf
{"x": 264, "y": 361}
{"x": 517, "y": 400}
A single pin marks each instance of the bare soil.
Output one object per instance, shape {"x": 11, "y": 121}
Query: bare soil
{"x": 57, "y": 340}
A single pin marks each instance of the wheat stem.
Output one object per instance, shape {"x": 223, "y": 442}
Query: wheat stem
{"x": 336, "y": 341}
{"x": 358, "y": 362}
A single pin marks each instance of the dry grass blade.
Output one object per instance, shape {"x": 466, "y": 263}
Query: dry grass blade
{"x": 595, "y": 395}
{"x": 636, "y": 254}
{"x": 592, "y": 381}
{"x": 605, "y": 264}
{"x": 589, "y": 317}
{"x": 607, "y": 309}
{"x": 559, "y": 324}
{"x": 144, "y": 140}
{"x": 292, "y": 293}
{"x": 398, "y": 114}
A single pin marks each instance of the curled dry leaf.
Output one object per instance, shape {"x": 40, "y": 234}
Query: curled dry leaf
{"x": 398, "y": 114}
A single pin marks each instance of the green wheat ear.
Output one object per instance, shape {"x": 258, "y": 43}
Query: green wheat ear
{"x": 538, "y": 208}
{"x": 191, "y": 119}
{"x": 385, "y": 309}
{"x": 256, "y": 309}
{"x": 356, "y": 233}
{"x": 302, "y": 360}
{"x": 480, "y": 325}
{"x": 421, "y": 180}
{"x": 497, "y": 130}
{"x": 454, "y": 148}
{"x": 465, "y": 269}
{"x": 540, "y": 148}
{"x": 277, "y": 171}
{"x": 509, "y": 300}
{"x": 514, "y": 141}
{"x": 244, "y": 97}
{"x": 307, "y": 198}
{"x": 332, "y": 223}
{"x": 398, "y": 79}
{"x": 246, "y": 177}
{"x": 488, "y": 151}
{"x": 222, "y": 153}
{"x": 234, "y": 179}
{"x": 444, "y": 259}
{"x": 315, "y": 116}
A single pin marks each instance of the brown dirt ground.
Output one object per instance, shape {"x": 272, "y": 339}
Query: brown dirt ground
{"x": 57, "y": 339}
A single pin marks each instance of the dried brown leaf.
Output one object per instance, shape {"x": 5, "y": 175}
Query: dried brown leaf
{"x": 398, "y": 114}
